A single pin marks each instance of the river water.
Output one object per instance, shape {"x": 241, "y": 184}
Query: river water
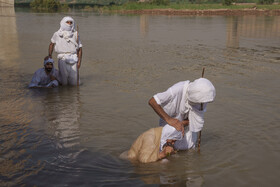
{"x": 72, "y": 136}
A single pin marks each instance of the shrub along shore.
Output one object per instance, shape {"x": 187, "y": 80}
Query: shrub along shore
{"x": 164, "y": 7}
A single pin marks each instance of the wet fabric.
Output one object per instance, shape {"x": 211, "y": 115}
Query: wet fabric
{"x": 146, "y": 147}
{"x": 68, "y": 73}
{"x": 187, "y": 142}
{"x": 41, "y": 79}
{"x": 169, "y": 133}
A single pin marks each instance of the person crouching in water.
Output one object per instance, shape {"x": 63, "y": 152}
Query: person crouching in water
{"x": 67, "y": 44}
{"x": 153, "y": 145}
{"x": 45, "y": 77}
{"x": 181, "y": 109}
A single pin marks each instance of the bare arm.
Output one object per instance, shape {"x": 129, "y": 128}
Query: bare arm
{"x": 178, "y": 125}
{"x": 51, "y": 46}
{"x": 80, "y": 54}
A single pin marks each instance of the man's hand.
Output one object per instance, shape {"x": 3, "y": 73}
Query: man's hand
{"x": 168, "y": 150}
{"x": 178, "y": 125}
{"x": 47, "y": 57}
{"x": 53, "y": 78}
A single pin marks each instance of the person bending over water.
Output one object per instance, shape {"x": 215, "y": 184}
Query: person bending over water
{"x": 184, "y": 100}
{"x": 181, "y": 109}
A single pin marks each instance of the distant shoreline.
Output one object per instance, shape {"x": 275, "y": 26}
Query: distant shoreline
{"x": 202, "y": 12}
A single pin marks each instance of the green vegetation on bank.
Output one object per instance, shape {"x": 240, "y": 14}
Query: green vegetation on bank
{"x": 48, "y": 5}
{"x": 118, "y": 5}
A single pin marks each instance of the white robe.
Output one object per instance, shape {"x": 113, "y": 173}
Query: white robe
{"x": 67, "y": 47}
{"x": 41, "y": 79}
{"x": 175, "y": 102}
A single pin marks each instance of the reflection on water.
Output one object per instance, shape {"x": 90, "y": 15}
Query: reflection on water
{"x": 144, "y": 24}
{"x": 64, "y": 122}
{"x": 246, "y": 26}
{"x": 73, "y": 136}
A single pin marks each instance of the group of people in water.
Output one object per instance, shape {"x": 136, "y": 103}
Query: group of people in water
{"x": 181, "y": 107}
{"x": 67, "y": 44}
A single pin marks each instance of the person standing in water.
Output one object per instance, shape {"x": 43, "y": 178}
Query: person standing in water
{"x": 66, "y": 43}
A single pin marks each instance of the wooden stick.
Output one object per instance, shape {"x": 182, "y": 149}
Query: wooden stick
{"x": 78, "y": 75}
{"x": 199, "y": 141}
{"x": 201, "y": 108}
{"x": 201, "y": 104}
{"x": 202, "y": 72}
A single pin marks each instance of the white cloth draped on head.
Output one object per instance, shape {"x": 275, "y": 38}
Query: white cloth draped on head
{"x": 51, "y": 61}
{"x": 199, "y": 91}
{"x": 66, "y": 31}
{"x": 65, "y": 26}
{"x": 48, "y": 60}
{"x": 169, "y": 133}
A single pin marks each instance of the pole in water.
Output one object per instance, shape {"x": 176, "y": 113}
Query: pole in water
{"x": 201, "y": 108}
{"x": 78, "y": 76}
{"x": 202, "y": 72}
{"x": 201, "y": 104}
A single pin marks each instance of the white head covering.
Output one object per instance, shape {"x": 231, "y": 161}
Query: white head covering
{"x": 169, "y": 133}
{"x": 199, "y": 91}
{"x": 48, "y": 60}
{"x": 51, "y": 61}
{"x": 66, "y": 31}
{"x": 65, "y": 26}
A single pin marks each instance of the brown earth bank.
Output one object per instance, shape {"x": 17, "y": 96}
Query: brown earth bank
{"x": 252, "y": 11}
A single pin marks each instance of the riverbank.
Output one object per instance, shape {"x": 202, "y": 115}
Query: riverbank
{"x": 198, "y": 9}
{"x": 252, "y": 11}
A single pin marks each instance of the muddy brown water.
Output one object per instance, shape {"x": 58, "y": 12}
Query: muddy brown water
{"x": 73, "y": 136}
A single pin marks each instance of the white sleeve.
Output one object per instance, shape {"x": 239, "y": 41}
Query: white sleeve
{"x": 164, "y": 97}
{"x": 170, "y": 94}
{"x": 54, "y": 38}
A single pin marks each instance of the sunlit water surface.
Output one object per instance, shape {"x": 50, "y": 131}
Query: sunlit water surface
{"x": 72, "y": 136}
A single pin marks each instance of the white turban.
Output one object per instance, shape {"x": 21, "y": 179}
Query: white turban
{"x": 48, "y": 60}
{"x": 66, "y": 31}
{"x": 65, "y": 26}
{"x": 199, "y": 91}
